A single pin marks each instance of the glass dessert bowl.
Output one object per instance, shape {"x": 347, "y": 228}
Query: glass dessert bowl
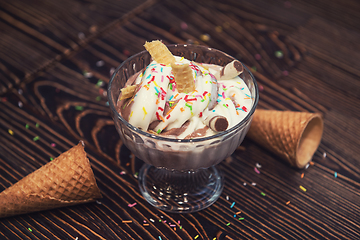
{"x": 179, "y": 175}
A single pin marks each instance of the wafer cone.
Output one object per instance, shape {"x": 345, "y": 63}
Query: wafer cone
{"x": 293, "y": 136}
{"x": 183, "y": 76}
{"x": 65, "y": 181}
{"x": 159, "y": 52}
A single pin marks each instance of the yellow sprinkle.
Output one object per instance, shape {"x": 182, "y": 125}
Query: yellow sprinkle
{"x": 181, "y": 59}
{"x": 10, "y": 132}
{"x": 196, "y": 236}
{"x": 227, "y": 99}
{"x": 302, "y": 188}
{"x": 156, "y": 84}
{"x": 131, "y": 113}
{"x": 144, "y": 112}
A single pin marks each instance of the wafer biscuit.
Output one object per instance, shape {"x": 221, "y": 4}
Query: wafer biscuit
{"x": 159, "y": 52}
{"x": 127, "y": 92}
{"x": 184, "y": 78}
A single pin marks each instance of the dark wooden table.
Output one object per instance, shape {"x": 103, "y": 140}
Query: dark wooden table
{"x": 56, "y": 58}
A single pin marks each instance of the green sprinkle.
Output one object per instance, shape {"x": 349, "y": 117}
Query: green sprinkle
{"x": 37, "y": 125}
{"x": 27, "y": 126}
{"x": 36, "y": 138}
{"x": 228, "y": 224}
{"x": 159, "y": 220}
{"x": 51, "y": 159}
{"x": 79, "y": 108}
{"x": 279, "y": 54}
{"x": 30, "y": 229}
{"x": 99, "y": 83}
{"x": 254, "y": 68}
{"x": 136, "y": 174}
{"x": 158, "y": 131}
{"x": 263, "y": 194}
{"x": 180, "y": 227}
{"x": 98, "y": 98}
{"x": 189, "y": 106}
{"x": 241, "y": 218}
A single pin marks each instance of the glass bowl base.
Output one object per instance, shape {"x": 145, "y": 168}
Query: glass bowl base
{"x": 180, "y": 191}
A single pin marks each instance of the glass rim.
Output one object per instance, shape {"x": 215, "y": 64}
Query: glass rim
{"x": 198, "y": 139}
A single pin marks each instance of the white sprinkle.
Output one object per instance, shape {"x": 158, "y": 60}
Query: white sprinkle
{"x": 76, "y": 238}
{"x": 152, "y": 220}
{"x": 98, "y": 202}
{"x": 20, "y": 104}
{"x": 244, "y": 183}
{"x": 227, "y": 198}
{"x": 81, "y": 35}
{"x": 100, "y": 63}
{"x": 254, "y": 184}
{"x": 307, "y": 166}
{"x": 122, "y": 172}
{"x": 258, "y": 165}
{"x": 88, "y": 74}
{"x": 324, "y": 155}
{"x": 20, "y": 91}
{"x": 112, "y": 70}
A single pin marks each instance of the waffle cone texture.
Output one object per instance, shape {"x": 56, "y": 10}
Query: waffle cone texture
{"x": 65, "y": 181}
{"x": 293, "y": 136}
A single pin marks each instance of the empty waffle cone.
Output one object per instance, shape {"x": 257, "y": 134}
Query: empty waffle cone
{"x": 65, "y": 181}
{"x": 293, "y": 136}
{"x": 159, "y": 52}
{"x": 183, "y": 76}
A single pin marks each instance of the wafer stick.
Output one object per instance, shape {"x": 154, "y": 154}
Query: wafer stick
{"x": 230, "y": 71}
{"x": 216, "y": 122}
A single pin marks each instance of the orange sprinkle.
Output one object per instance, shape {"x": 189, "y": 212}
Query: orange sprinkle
{"x": 174, "y": 229}
{"x": 182, "y": 109}
{"x": 126, "y": 221}
{"x": 288, "y": 202}
{"x": 237, "y": 113}
{"x": 302, "y": 175}
{"x": 176, "y": 95}
{"x": 147, "y": 88}
{"x": 238, "y": 213}
{"x": 162, "y": 119}
{"x": 157, "y": 101}
{"x": 233, "y": 95}
{"x": 312, "y": 163}
{"x": 146, "y": 224}
{"x": 127, "y": 164}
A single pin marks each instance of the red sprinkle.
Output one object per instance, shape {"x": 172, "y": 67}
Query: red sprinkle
{"x": 152, "y": 79}
{"x": 244, "y": 108}
{"x": 205, "y": 93}
{"x": 200, "y": 114}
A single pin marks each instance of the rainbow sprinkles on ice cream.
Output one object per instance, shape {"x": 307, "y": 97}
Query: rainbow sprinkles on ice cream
{"x": 178, "y": 98}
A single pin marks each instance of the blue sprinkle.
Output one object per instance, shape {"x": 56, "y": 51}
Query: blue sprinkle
{"x": 148, "y": 76}
{"x": 213, "y": 110}
{"x": 335, "y": 174}
{"x": 232, "y": 205}
{"x": 234, "y": 215}
{"x": 171, "y": 97}
{"x": 160, "y": 238}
